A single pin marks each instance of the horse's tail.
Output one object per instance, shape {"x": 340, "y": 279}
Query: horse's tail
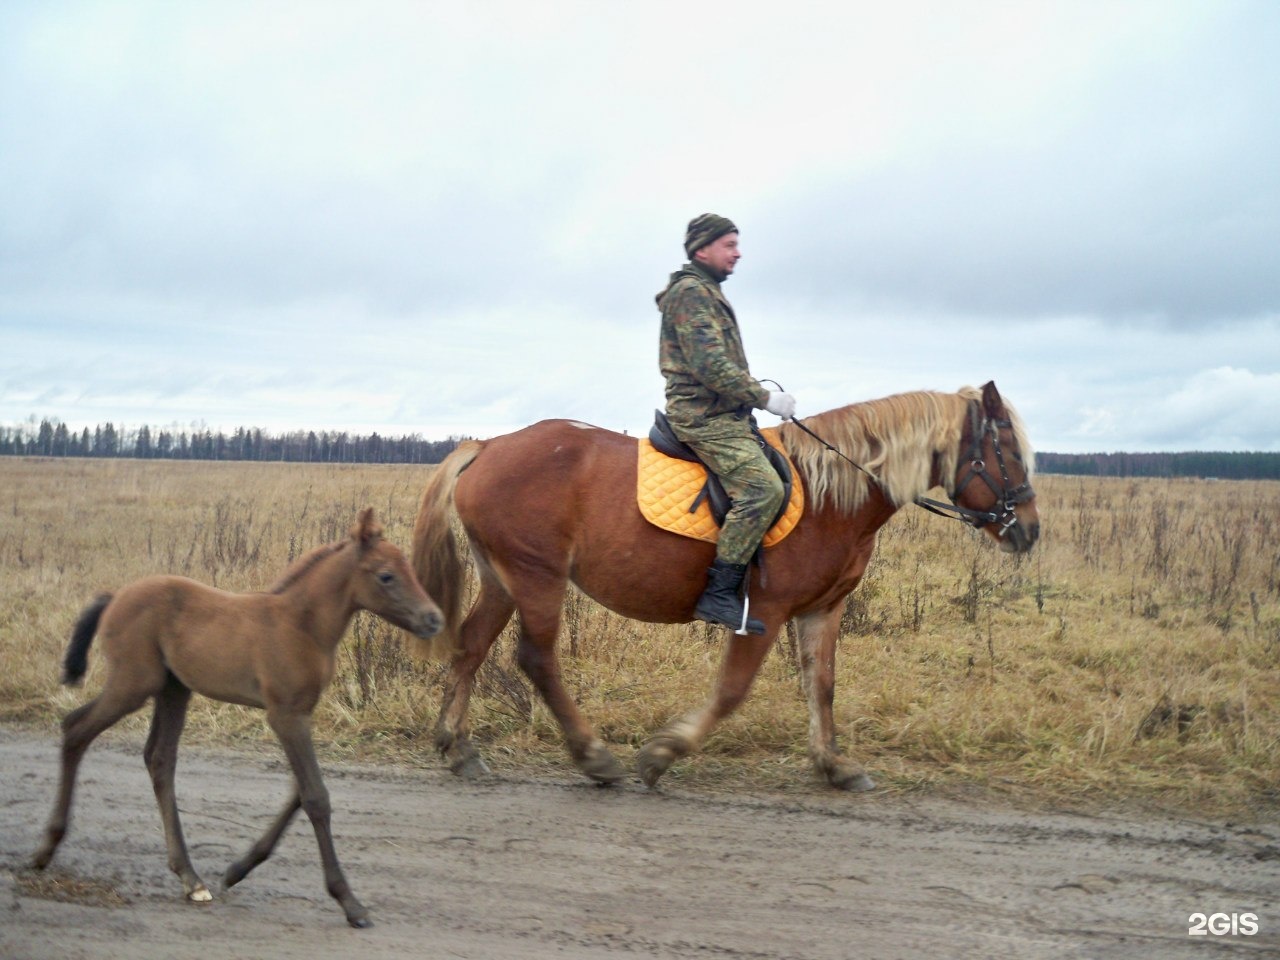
{"x": 437, "y": 559}
{"x": 76, "y": 662}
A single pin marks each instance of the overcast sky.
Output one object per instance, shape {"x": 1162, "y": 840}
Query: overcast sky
{"x": 451, "y": 218}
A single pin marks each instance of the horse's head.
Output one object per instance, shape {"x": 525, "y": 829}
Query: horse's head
{"x": 993, "y": 475}
{"x": 385, "y": 584}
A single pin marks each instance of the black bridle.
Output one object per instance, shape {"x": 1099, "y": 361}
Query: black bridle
{"x": 1008, "y": 496}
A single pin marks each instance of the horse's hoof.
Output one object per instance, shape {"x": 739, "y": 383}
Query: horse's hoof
{"x": 854, "y": 783}
{"x": 200, "y": 894}
{"x": 360, "y": 923}
{"x": 653, "y": 761}
{"x": 470, "y": 767}
{"x": 445, "y": 741}
{"x": 602, "y": 766}
{"x": 235, "y": 873}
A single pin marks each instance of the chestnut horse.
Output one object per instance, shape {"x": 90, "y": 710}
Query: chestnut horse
{"x": 556, "y": 502}
{"x": 166, "y": 636}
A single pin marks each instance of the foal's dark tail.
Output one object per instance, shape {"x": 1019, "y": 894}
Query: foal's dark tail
{"x": 76, "y": 661}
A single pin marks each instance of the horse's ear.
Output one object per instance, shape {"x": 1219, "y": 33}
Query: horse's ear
{"x": 992, "y": 402}
{"x": 366, "y": 530}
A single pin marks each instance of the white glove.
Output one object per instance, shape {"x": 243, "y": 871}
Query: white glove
{"x": 781, "y": 404}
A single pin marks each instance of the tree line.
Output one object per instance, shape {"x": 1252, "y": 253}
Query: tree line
{"x": 54, "y": 439}
{"x": 1206, "y": 465}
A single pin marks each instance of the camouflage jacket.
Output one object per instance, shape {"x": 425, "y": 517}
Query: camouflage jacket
{"x": 710, "y": 391}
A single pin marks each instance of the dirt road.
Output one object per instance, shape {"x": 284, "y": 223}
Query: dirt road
{"x": 538, "y": 869}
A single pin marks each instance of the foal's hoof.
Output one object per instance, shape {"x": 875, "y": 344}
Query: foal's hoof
{"x": 470, "y": 767}
{"x": 601, "y": 765}
{"x": 40, "y": 859}
{"x": 653, "y": 760}
{"x": 857, "y": 782}
{"x": 235, "y": 873}
{"x": 200, "y": 894}
{"x": 360, "y": 923}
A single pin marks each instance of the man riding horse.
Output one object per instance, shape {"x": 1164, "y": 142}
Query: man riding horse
{"x": 710, "y": 397}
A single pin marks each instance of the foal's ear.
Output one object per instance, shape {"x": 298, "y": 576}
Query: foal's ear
{"x": 992, "y": 402}
{"x": 366, "y": 530}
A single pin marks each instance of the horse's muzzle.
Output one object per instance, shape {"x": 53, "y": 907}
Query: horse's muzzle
{"x": 1020, "y": 537}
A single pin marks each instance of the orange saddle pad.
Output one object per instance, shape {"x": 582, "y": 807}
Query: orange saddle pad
{"x": 667, "y": 488}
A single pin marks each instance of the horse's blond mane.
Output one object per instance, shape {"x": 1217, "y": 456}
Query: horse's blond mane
{"x": 899, "y": 439}
{"x": 303, "y": 565}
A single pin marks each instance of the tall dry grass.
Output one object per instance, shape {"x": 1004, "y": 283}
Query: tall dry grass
{"x": 1135, "y": 655}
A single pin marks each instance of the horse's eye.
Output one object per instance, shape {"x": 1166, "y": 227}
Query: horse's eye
{"x": 386, "y": 578}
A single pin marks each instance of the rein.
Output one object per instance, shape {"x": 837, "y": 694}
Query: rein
{"x": 1007, "y": 495}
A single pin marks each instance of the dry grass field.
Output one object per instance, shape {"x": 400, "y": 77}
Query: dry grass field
{"x": 1133, "y": 657}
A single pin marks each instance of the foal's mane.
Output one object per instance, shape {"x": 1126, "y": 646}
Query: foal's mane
{"x": 898, "y": 439}
{"x": 304, "y": 565}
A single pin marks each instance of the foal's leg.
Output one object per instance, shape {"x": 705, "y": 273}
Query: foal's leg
{"x": 80, "y": 728}
{"x": 541, "y": 602}
{"x": 817, "y": 649}
{"x": 261, "y": 850}
{"x": 294, "y": 730}
{"x": 492, "y": 610}
{"x": 741, "y": 662}
{"x": 161, "y": 755}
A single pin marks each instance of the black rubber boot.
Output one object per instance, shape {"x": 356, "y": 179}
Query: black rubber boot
{"x": 720, "y": 602}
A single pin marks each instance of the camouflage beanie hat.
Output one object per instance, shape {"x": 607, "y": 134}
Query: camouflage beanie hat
{"x": 705, "y": 229}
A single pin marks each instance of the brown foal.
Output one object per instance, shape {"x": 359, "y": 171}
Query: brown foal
{"x": 164, "y": 637}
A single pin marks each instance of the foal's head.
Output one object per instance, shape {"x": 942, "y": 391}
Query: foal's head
{"x": 384, "y": 583}
{"x": 993, "y": 473}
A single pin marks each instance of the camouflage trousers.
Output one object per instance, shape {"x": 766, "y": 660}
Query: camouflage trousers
{"x": 753, "y": 486}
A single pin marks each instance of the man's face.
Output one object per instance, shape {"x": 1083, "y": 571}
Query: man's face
{"x": 720, "y": 255}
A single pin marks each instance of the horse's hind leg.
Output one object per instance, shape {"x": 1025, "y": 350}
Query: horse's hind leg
{"x": 294, "y": 730}
{"x": 161, "y": 756}
{"x": 80, "y": 728}
{"x": 541, "y": 601}
{"x": 817, "y": 649}
{"x": 741, "y": 663}
{"x": 492, "y": 610}
{"x": 261, "y": 850}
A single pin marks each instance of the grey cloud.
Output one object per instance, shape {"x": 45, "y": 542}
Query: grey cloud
{"x": 254, "y": 218}
{"x": 1163, "y": 202}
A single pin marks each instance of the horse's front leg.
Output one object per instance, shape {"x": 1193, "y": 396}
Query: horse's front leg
{"x": 738, "y": 671}
{"x": 294, "y": 730}
{"x": 817, "y": 651}
{"x": 492, "y": 610}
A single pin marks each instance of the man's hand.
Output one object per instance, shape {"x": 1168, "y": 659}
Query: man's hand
{"x": 781, "y": 404}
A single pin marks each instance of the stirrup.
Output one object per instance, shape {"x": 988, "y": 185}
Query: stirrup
{"x": 746, "y": 610}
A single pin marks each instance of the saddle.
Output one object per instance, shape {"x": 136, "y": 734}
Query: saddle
{"x": 688, "y": 499}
